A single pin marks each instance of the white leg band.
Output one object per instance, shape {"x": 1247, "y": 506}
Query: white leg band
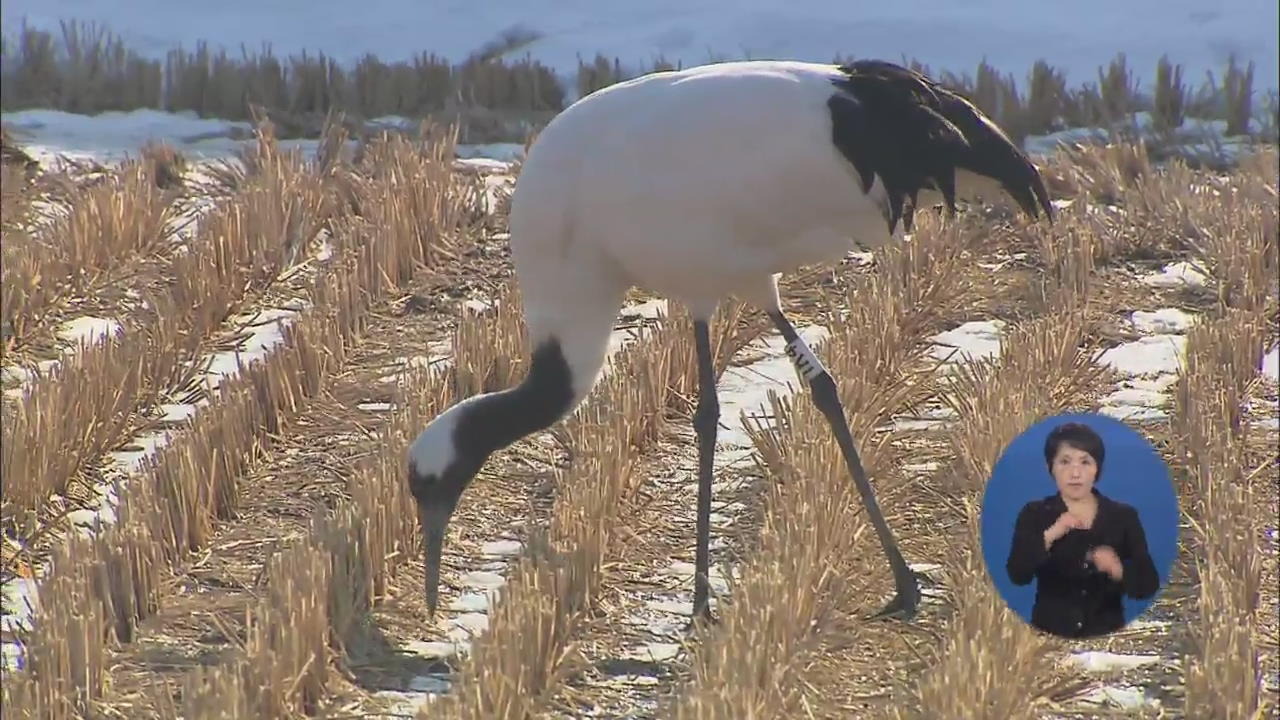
{"x": 807, "y": 364}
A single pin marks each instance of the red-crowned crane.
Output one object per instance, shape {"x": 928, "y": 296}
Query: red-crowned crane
{"x": 697, "y": 184}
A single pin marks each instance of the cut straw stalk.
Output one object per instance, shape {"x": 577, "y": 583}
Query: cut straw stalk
{"x": 103, "y": 395}
{"x": 106, "y": 583}
{"x": 749, "y": 666}
{"x": 1223, "y": 500}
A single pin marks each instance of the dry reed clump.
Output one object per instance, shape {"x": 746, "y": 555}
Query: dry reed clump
{"x": 1170, "y": 100}
{"x": 1222, "y": 496}
{"x": 1232, "y": 226}
{"x": 992, "y": 662}
{"x": 170, "y": 508}
{"x": 781, "y": 608}
{"x": 1152, "y": 212}
{"x": 68, "y": 419}
{"x": 164, "y": 164}
{"x": 105, "y": 229}
{"x": 86, "y": 69}
{"x": 1068, "y": 255}
{"x": 1098, "y": 173}
{"x": 527, "y": 649}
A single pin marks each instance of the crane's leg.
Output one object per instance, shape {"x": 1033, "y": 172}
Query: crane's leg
{"x": 705, "y": 421}
{"x": 827, "y": 400}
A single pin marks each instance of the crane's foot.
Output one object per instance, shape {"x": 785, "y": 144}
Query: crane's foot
{"x": 905, "y": 601}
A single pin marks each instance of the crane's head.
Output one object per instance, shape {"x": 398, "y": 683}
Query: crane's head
{"x": 441, "y": 464}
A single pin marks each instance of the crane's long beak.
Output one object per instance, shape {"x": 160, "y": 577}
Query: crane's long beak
{"x": 434, "y": 520}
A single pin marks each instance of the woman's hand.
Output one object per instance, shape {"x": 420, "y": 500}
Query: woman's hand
{"x": 1065, "y": 523}
{"x": 1106, "y": 560}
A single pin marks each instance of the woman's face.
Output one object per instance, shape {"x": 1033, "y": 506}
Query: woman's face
{"x": 1074, "y": 471}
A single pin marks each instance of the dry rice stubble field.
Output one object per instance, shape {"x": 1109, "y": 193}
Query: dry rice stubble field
{"x": 848, "y": 667}
{"x": 179, "y": 524}
{"x": 179, "y": 297}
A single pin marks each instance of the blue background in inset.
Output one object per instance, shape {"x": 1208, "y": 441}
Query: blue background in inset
{"x": 1132, "y": 472}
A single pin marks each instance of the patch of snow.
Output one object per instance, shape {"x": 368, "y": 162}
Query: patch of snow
{"x": 471, "y": 602}
{"x": 10, "y": 656}
{"x": 746, "y": 389}
{"x": 23, "y": 377}
{"x": 1176, "y": 275}
{"x": 265, "y": 334}
{"x": 972, "y": 340}
{"x": 501, "y": 548}
{"x": 671, "y": 606}
{"x": 1102, "y": 662}
{"x": 402, "y": 703}
{"x": 1163, "y": 321}
{"x": 646, "y": 680}
{"x": 177, "y": 413}
{"x": 88, "y": 330}
{"x": 141, "y": 447}
{"x": 482, "y": 579}
{"x": 1146, "y": 356}
{"x": 77, "y": 334}
{"x": 19, "y": 597}
{"x": 325, "y": 252}
{"x": 929, "y": 419}
{"x": 430, "y": 650}
{"x": 477, "y": 306}
{"x": 467, "y": 625}
{"x": 1127, "y": 698}
{"x": 1271, "y": 364}
{"x": 1196, "y": 138}
{"x": 434, "y": 684}
{"x": 112, "y": 136}
{"x": 491, "y": 155}
{"x": 1139, "y": 398}
{"x": 652, "y": 652}
{"x": 619, "y": 339}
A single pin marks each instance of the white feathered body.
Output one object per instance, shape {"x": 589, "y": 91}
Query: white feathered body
{"x": 693, "y": 184}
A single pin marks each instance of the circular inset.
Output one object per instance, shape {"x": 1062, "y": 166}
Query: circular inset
{"x": 1079, "y": 525}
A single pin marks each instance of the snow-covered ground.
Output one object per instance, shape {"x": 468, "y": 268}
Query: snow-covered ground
{"x": 1076, "y": 37}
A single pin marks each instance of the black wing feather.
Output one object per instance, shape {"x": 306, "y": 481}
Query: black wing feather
{"x": 896, "y": 124}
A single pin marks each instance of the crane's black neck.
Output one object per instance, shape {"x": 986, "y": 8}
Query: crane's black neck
{"x": 498, "y": 419}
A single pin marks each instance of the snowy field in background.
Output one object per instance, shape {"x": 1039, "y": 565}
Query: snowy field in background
{"x": 1011, "y": 36}
{"x": 1075, "y": 37}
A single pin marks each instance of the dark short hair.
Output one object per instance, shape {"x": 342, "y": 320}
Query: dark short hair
{"x": 1078, "y": 436}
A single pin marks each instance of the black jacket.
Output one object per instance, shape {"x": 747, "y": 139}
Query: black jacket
{"x": 1074, "y": 598}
